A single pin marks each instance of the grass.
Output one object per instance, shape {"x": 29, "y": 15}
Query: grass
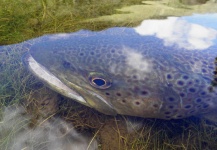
{"x": 21, "y": 20}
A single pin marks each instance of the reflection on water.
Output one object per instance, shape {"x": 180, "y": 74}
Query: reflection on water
{"x": 52, "y": 134}
{"x": 193, "y": 2}
{"x": 157, "y": 10}
{"x": 177, "y": 31}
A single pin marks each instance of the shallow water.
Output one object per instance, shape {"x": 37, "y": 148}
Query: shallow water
{"x": 17, "y": 85}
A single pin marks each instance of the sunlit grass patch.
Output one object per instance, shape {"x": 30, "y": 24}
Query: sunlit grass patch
{"x": 22, "y": 20}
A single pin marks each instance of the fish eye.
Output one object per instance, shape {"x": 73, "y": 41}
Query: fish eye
{"x": 99, "y": 81}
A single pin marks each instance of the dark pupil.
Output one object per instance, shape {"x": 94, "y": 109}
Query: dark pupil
{"x": 99, "y": 82}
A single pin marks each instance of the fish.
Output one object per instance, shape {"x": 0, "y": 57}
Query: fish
{"x": 165, "y": 69}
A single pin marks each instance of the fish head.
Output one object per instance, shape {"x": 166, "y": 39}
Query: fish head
{"x": 111, "y": 77}
{"x": 124, "y": 71}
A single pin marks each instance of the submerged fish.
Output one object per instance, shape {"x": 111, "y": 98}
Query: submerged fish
{"x": 161, "y": 69}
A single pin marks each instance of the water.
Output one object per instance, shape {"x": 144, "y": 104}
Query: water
{"x": 34, "y": 125}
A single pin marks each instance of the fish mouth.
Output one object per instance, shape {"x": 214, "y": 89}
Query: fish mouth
{"x": 88, "y": 97}
{"x": 49, "y": 79}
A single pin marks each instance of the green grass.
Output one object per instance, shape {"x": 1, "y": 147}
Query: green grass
{"x": 21, "y": 20}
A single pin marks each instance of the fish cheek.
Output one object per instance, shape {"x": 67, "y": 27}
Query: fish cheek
{"x": 148, "y": 107}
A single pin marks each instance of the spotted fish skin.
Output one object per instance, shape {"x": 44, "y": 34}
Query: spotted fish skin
{"x": 148, "y": 75}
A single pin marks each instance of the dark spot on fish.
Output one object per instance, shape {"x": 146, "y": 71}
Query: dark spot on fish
{"x": 81, "y": 54}
{"x": 137, "y": 103}
{"x": 171, "y": 107}
{"x": 66, "y": 64}
{"x": 190, "y": 83}
{"x": 134, "y": 76}
{"x": 112, "y": 51}
{"x": 188, "y": 106}
{"x": 169, "y": 76}
{"x": 92, "y": 53}
{"x": 181, "y": 83}
{"x": 192, "y": 90}
{"x": 185, "y": 77}
{"x": 204, "y": 62}
{"x": 144, "y": 93}
{"x": 120, "y": 52}
{"x": 198, "y": 100}
{"x": 210, "y": 88}
{"x": 205, "y": 106}
{"x": 129, "y": 80}
{"x": 204, "y": 70}
{"x": 155, "y": 105}
{"x": 167, "y": 113}
{"x": 203, "y": 93}
{"x": 123, "y": 101}
{"x": 107, "y": 93}
{"x": 197, "y": 81}
{"x": 118, "y": 94}
{"x": 168, "y": 117}
{"x": 211, "y": 67}
{"x": 171, "y": 99}
{"x": 182, "y": 94}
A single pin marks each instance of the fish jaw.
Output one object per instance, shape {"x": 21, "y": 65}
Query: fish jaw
{"x": 88, "y": 98}
{"x": 49, "y": 79}
{"x": 93, "y": 99}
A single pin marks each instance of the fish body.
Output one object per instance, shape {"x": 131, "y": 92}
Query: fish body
{"x": 161, "y": 69}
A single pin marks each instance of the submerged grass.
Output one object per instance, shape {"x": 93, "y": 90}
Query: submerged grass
{"x": 21, "y": 20}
